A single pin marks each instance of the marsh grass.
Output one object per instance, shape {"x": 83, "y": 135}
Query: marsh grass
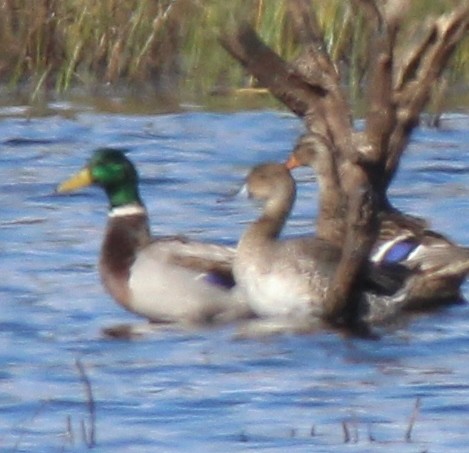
{"x": 169, "y": 47}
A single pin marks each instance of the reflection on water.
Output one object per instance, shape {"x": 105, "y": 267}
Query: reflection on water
{"x": 203, "y": 390}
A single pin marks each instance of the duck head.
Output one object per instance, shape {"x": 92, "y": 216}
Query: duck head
{"x": 109, "y": 169}
{"x": 304, "y": 155}
{"x": 270, "y": 181}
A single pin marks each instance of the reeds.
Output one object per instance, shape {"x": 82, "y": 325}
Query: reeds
{"x": 167, "y": 46}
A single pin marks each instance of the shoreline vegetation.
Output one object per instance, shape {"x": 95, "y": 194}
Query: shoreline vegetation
{"x": 169, "y": 49}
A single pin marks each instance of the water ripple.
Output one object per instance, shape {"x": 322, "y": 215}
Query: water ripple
{"x": 204, "y": 390}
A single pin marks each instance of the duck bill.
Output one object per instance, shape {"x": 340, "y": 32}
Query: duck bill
{"x": 243, "y": 192}
{"x": 292, "y": 162}
{"x": 78, "y": 180}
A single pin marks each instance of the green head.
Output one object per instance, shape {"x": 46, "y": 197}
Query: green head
{"x": 110, "y": 169}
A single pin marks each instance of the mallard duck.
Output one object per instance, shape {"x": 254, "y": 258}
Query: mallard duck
{"x": 438, "y": 266}
{"x": 289, "y": 278}
{"x": 166, "y": 279}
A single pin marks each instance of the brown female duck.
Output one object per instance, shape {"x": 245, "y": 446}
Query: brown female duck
{"x": 168, "y": 279}
{"x": 289, "y": 278}
{"x": 437, "y": 265}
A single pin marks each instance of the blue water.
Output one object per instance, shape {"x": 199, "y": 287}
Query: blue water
{"x": 207, "y": 391}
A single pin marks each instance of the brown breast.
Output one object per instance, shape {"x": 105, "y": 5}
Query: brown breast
{"x": 125, "y": 235}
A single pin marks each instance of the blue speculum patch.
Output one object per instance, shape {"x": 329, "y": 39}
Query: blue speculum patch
{"x": 224, "y": 281}
{"x": 400, "y": 251}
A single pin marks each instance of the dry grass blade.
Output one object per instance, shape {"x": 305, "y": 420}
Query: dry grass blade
{"x": 371, "y": 11}
{"x": 171, "y": 44}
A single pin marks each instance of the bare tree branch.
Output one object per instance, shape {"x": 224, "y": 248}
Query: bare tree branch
{"x": 381, "y": 115}
{"x": 419, "y": 76}
{"x": 360, "y": 235}
{"x": 357, "y": 167}
{"x": 305, "y": 24}
{"x": 271, "y": 70}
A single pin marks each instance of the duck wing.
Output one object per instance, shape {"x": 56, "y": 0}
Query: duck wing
{"x": 214, "y": 260}
{"x": 384, "y": 279}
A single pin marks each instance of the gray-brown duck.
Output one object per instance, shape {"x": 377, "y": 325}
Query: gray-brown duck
{"x": 289, "y": 278}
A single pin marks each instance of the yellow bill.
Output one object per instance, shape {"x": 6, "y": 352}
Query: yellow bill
{"x": 81, "y": 179}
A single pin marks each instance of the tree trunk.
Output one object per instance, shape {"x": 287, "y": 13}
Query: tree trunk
{"x": 363, "y": 164}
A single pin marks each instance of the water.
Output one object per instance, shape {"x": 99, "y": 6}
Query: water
{"x": 205, "y": 391}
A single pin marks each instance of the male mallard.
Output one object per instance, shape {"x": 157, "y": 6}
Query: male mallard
{"x": 289, "y": 278}
{"x": 168, "y": 279}
{"x": 438, "y": 266}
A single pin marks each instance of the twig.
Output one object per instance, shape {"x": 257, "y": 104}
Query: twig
{"x": 90, "y": 438}
{"x": 69, "y": 432}
{"x": 312, "y": 432}
{"x": 350, "y": 437}
{"x": 371, "y": 437}
{"x": 413, "y": 418}
{"x": 346, "y": 432}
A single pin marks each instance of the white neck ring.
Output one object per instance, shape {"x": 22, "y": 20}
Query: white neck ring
{"x": 127, "y": 210}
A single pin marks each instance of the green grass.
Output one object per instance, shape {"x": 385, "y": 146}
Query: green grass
{"x": 168, "y": 47}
